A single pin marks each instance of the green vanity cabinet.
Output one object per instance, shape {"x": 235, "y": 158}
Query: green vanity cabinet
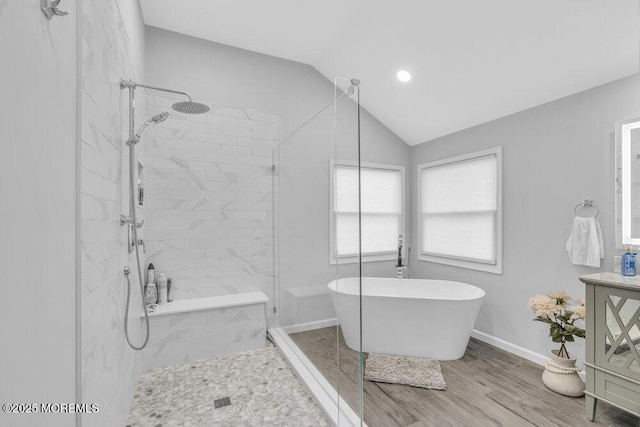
{"x": 612, "y": 361}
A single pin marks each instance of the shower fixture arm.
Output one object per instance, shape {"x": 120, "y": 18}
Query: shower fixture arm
{"x": 186, "y": 107}
{"x": 131, "y": 84}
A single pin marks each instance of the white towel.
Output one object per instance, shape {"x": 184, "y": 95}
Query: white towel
{"x": 585, "y": 245}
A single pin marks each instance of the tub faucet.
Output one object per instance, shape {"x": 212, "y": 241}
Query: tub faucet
{"x": 401, "y": 269}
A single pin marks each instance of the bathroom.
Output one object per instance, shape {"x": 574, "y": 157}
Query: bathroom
{"x": 272, "y": 260}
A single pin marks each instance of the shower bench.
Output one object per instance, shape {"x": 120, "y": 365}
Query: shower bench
{"x": 200, "y": 328}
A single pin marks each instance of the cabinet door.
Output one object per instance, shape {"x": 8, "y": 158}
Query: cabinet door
{"x": 617, "y": 330}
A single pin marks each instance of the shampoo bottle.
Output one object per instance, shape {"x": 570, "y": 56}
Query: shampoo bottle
{"x": 151, "y": 294}
{"x": 629, "y": 263}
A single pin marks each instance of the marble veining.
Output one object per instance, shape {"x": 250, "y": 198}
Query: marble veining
{"x": 109, "y": 368}
{"x": 209, "y": 199}
{"x": 612, "y": 279}
{"x": 264, "y": 391}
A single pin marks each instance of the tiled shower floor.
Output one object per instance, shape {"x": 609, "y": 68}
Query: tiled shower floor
{"x": 264, "y": 391}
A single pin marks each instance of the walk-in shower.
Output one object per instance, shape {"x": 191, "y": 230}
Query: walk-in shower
{"x": 186, "y": 107}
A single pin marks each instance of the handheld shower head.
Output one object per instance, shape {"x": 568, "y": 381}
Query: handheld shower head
{"x": 158, "y": 118}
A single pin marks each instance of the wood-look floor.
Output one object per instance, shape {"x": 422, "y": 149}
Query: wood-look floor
{"x": 487, "y": 387}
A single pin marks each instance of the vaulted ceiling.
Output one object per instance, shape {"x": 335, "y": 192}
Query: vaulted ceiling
{"x": 471, "y": 61}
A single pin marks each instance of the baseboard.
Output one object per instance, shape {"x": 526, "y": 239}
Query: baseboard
{"x": 531, "y": 356}
{"x": 309, "y": 326}
{"x": 511, "y": 348}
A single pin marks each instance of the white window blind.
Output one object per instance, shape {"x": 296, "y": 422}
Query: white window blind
{"x": 459, "y": 209}
{"x": 382, "y": 213}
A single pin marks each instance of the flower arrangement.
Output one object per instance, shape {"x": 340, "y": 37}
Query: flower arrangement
{"x": 554, "y": 310}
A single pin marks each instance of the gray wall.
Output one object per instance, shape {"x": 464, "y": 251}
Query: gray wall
{"x": 226, "y": 75}
{"x": 555, "y": 155}
{"x": 238, "y": 78}
{"x": 38, "y": 211}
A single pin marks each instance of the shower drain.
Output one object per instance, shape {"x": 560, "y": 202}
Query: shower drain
{"x": 221, "y": 403}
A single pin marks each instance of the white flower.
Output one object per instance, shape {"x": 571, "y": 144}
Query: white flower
{"x": 579, "y": 311}
{"x": 544, "y": 306}
{"x": 561, "y": 297}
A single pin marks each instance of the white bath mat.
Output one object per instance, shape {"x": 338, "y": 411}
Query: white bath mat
{"x": 413, "y": 371}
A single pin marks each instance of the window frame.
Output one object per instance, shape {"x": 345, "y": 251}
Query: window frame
{"x": 495, "y": 268}
{"x": 372, "y": 257}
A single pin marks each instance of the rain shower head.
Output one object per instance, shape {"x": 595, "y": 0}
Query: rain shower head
{"x": 158, "y": 118}
{"x": 190, "y": 107}
{"x": 186, "y": 107}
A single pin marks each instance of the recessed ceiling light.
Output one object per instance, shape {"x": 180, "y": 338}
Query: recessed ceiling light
{"x": 404, "y": 76}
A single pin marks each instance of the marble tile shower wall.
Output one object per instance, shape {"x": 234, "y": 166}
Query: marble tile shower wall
{"x": 209, "y": 203}
{"x": 109, "y": 368}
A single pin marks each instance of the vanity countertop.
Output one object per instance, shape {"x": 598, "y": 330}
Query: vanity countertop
{"x": 612, "y": 279}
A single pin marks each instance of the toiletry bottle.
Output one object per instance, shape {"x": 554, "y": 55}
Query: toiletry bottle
{"x": 629, "y": 263}
{"x": 150, "y": 294}
{"x": 169, "y": 289}
{"x": 151, "y": 274}
{"x": 162, "y": 288}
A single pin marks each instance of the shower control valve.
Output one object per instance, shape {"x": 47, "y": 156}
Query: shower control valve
{"x": 50, "y": 8}
{"x": 124, "y": 220}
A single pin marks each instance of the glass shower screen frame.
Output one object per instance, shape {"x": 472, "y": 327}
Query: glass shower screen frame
{"x": 302, "y": 236}
{"x": 348, "y": 150}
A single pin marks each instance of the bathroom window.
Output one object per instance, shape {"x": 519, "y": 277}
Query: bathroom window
{"x": 460, "y": 211}
{"x": 382, "y": 211}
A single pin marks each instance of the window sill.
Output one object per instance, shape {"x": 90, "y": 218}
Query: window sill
{"x": 365, "y": 258}
{"x": 470, "y": 265}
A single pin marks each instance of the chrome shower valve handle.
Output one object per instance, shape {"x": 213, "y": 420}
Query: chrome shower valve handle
{"x": 124, "y": 220}
{"x": 50, "y": 8}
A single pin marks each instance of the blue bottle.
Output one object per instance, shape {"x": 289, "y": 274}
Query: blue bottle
{"x": 629, "y": 263}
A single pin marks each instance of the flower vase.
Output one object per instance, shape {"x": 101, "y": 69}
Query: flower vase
{"x": 561, "y": 376}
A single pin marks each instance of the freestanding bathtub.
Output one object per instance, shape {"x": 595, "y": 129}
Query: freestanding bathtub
{"x": 407, "y": 317}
